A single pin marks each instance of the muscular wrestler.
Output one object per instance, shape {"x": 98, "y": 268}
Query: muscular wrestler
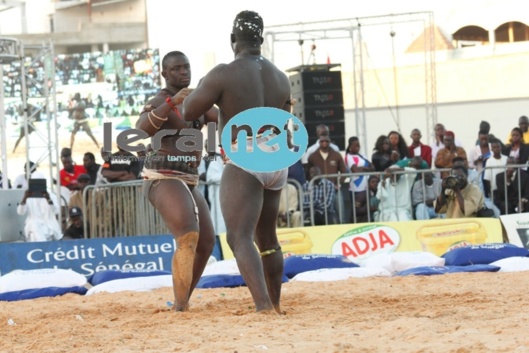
{"x": 247, "y": 82}
{"x": 80, "y": 119}
{"x": 32, "y": 117}
{"x": 170, "y": 182}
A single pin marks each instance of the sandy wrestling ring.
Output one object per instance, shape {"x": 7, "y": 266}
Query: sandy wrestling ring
{"x": 468, "y": 312}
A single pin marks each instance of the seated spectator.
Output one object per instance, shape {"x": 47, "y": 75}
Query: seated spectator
{"x": 492, "y": 166}
{"x": 484, "y": 126}
{"x": 70, "y": 171}
{"x": 512, "y": 192}
{"x": 458, "y": 198}
{"x": 297, "y": 172}
{"x": 476, "y": 178}
{"x": 323, "y": 196}
{"x": 473, "y": 176}
{"x": 383, "y": 157}
{"x": 76, "y": 228}
{"x": 445, "y": 155}
{"x": 289, "y": 214}
{"x": 89, "y": 162}
{"x": 76, "y": 199}
{"x": 41, "y": 221}
{"x": 394, "y": 193}
{"x": 331, "y": 162}
{"x": 481, "y": 152}
{"x": 121, "y": 166}
{"x": 517, "y": 147}
{"x": 416, "y": 163}
{"x": 523, "y": 125}
{"x": 418, "y": 149}
{"x": 366, "y": 203}
{"x": 398, "y": 144}
{"x": 21, "y": 181}
{"x": 439, "y": 131}
{"x": 100, "y": 179}
{"x": 357, "y": 163}
{"x": 321, "y": 130}
{"x": 423, "y": 196}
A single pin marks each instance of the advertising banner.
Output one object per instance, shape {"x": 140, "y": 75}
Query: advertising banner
{"x": 517, "y": 229}
{"x": 360, "y": 241}
{"x": 87, "y": 256}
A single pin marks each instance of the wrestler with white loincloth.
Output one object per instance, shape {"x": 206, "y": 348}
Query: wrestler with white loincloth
{"x": 249, "y": 200}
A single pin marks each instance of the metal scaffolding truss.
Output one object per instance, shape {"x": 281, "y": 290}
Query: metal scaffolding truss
{"x": 37, "y": 98}
{"x": 351, "y": 28}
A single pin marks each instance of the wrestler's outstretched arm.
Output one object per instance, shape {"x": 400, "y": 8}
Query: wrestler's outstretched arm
{"x": 207, "y": 93}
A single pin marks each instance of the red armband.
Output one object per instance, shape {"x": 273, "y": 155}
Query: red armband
{"x": 170, "y": 102}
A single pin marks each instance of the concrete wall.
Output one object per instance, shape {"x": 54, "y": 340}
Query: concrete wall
{"x": 118, "y": 23}
{"x": 492, "y": 88}
{"x": 461, "y": 117}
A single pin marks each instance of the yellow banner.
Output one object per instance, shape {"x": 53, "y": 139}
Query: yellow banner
{"x": 360, "y": 241}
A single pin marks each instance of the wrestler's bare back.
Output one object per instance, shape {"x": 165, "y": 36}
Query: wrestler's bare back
{"x": 250, "y": 81}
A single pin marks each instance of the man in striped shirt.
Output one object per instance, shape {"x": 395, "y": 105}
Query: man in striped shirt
{"x": 323, "y": 197}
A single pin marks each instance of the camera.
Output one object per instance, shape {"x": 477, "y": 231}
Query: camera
{"x": 451, "y": 182}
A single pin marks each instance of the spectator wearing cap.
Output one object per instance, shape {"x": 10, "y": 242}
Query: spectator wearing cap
{"x": 444, "y": 157}
{"x": 76, "y": 199}
{"x": 76, "y": 228}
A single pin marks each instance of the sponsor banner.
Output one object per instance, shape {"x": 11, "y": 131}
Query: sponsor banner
{"x": 517, "y": 229}
{"x": 87, "y": 256}
{"x": 360, "y": 241}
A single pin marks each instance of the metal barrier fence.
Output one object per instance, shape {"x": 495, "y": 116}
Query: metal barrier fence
{"x": 476, "y": 180}
{"x": 121, "y": 209}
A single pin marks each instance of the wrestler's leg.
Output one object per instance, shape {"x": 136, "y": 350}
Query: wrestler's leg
{"x": 241, "y": 197}
{"x": 174, "y": 202}
{"x": 206, "y": 240}
{"x": 271, "y": 254}
{"x": 74, "y": 131}
{"x": 22, "y": 133}
{"x": 88, "y": 131}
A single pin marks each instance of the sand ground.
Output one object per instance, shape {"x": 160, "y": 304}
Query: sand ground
{"x": 478, "y": 312}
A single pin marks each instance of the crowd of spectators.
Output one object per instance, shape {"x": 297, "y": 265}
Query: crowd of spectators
{"x": 400, "y": 182}
{"x": 132, "y": 76}
{"x": 408, "y": 181}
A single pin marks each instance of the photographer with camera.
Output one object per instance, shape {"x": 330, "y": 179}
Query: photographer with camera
{"x": 458, "y": 198}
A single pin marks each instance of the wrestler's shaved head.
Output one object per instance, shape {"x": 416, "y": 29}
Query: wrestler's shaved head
{"x": 169, "y": 55}
{"x": 248, "y": 26}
